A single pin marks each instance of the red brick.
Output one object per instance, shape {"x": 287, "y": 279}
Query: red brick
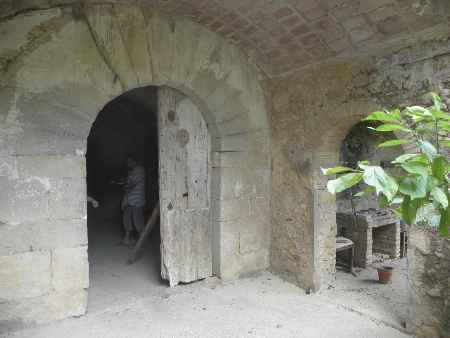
{"x": 285, "y": 39}
{"x": 199, "y": 3}
{"x": 292, "y": 21}
{"x": 258, "y": 17}
{"x": 230, "y": 17}
{"x": 240, "y": 24}
{"x": 250, "y": 30}
{"x": 319, "y": 52}
{"x": 216, "y": 25}
{"x": 283, "y": 12}
{"x": 276, "y": 32}
{"x": 235, "y": 38}
{"x": 325, "y": 23}
{"x": 339, "y": 45}
{"x": 225, "y": 30}
{"x": 299, "y": 30}
{"x": 310, "y": 39}
{"x": 205, "y": 20}
{"x": 274, "y": 53}
{"x": 305, "y": 5}
{"x": 314, "y": 13}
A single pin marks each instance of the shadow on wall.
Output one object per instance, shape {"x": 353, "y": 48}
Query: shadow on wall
{"x": 361, "y": 143}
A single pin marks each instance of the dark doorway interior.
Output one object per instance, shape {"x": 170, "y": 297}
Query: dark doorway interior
{"x": 125, "y": 127}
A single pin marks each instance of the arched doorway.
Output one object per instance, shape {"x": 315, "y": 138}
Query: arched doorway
{"x": 375, "y": 232}
{"x": 164, "y": 132}
{"x": 56, "y": 106}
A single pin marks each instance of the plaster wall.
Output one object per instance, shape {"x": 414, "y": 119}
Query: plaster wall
{"x": 58, "y": 68}
{"x": 311, "y": 113}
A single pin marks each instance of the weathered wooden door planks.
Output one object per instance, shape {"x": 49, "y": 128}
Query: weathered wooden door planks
{"x": 184, "y": 145}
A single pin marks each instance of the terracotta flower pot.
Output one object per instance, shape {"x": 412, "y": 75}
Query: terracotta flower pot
{"x": 385, "y": 274}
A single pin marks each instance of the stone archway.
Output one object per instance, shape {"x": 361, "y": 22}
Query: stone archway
{"x": 66, "y": 64}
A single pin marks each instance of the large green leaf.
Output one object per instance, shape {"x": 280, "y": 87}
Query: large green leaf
{"x": 409, "y": 209}
{"x": 428, "y": 149}
{"x": 376, "y": 177}
{"x": 440, "y": 197}
{"x": 382, "y": 201}
{"x": 393, "y": 117}
{"x": 418, "y": 111}
{"x": 336, "y": 170}
{"x": 437, "y": 101}
{"x": 390, "y": 127}
{"x": 393, "y": 143}
{"x": 414, "y": 167}
{"x": 444, "y": 126}
{"x": 414, "y": 186}
{"x": 439, "y": 167}
{"x": 344, "y": 182}
{"x": 365, "y": 192}
{"x": 431, "y": 183}
{"x": 403, "y": 158}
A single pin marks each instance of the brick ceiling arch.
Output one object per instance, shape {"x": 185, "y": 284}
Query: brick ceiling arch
{"x": 285, "y": 35}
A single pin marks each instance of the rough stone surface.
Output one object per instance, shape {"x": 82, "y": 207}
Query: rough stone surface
{"x": 46, "y": 110}
{"x": 25, "y": 275}
{"x": 70, "y": 269}
{"x": 311, "y": 113}
{"x": 428, "y": 276}
{"x": 43, "y": 235}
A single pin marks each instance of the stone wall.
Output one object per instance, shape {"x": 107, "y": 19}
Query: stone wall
{"x": 429, "y": 281}
{"x": 311, "y": 113}
{"x": 58, "y": 68}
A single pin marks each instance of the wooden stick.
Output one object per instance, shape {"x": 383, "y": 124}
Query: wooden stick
{"x": 144, "y": 234}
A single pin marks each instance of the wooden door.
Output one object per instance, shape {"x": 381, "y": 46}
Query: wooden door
{"x": 184, "y": 146}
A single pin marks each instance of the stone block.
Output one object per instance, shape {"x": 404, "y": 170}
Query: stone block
{"x": 25, "y": 275}
{"x": 234, "y": 183}
{"x": 230, "y": 267}
{"x": 51, "y": 166}
{"x": 8, "y": 166}
{"x": 23, "y": 200}
{"x": 43, "y": 235}
{"x": 54, "y": 306}
{"x": 251, "y": 239}
{"x": 70, "y": 269}
{"x": 230, "y": 210}
{"x": 254, "y": 261}
{"x": 229, "y": 238}
{"x": 67, "y": 199}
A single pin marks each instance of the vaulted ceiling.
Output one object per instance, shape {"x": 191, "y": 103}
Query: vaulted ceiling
{"x": 285, "y": 35}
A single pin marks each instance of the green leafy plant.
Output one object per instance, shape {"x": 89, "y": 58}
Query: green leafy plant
{"x": 419, "y": 193}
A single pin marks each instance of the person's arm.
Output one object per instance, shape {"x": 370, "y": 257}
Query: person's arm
{"x": 94, "y": 202}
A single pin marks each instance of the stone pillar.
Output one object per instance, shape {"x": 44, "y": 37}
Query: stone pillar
{"x": 325, "y": 228}
{"x": 429, "y": 283}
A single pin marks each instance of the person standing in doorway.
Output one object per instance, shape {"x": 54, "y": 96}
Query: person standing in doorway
{"x": 133, "y": 202}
